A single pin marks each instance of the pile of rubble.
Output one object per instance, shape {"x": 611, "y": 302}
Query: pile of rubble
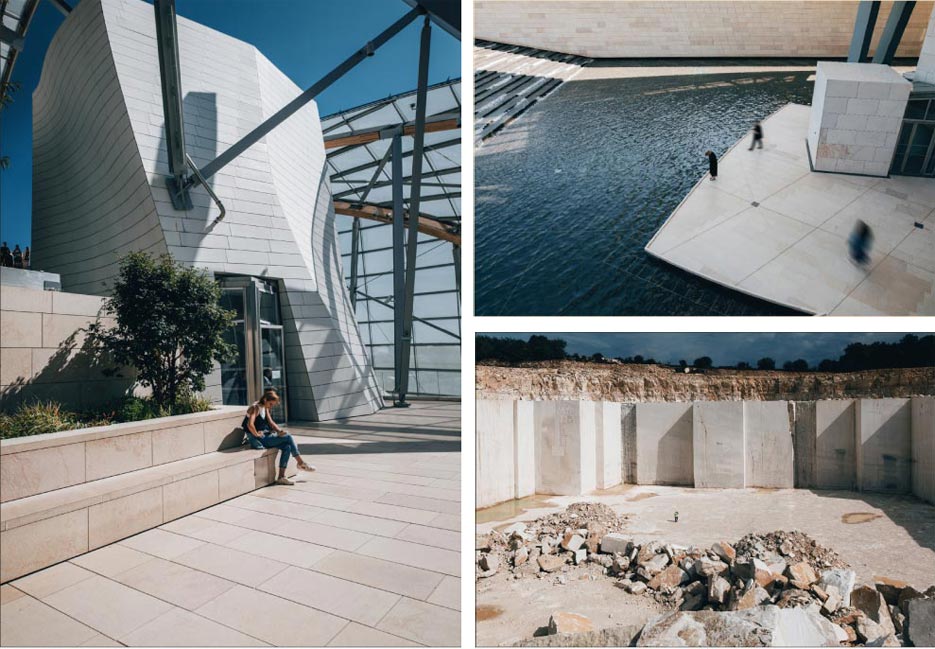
{"x": 782, "y": 569}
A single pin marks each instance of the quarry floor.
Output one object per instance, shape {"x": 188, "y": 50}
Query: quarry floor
{"x": 878, "y": 535}
{"x": 363, "y": 552}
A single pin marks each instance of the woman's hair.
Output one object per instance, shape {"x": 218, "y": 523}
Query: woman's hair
{"x": 269, "y": 396}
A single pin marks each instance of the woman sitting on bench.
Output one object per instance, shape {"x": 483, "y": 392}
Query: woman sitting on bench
{"x": 259, "y": 426}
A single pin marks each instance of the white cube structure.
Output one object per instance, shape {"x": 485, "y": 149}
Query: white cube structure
{"x": 857, "y": 110}
{"x": 100, "y": 163}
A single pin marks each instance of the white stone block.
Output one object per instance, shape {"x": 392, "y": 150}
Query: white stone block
{"x": 718, "y": 444}
{"x": 609, "y": 444}
{"x": 664, "y": 443}
{"x": 923, "y": 448}
{"x": 565, "y": 447}
{"x": 494, "y": 451}
{"x": 768, "y": 445}
{"x": 884, "y": 450}
{"x": 524, "y": 443}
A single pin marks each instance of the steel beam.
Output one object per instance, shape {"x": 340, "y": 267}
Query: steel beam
{"x": 456, "y": 255}
{"x": 867, "y": 12}
{"x": 415, "y": 191}
{"x": 167, "y": 45}
{"x": 289, "y": 109}
{"x": 399, "y": 278}
{"x": 435, "y": 124}
{"x": 428, "y": 225}
{"x": 355, "y": 253}
{"x": 10, "y": 37}
{"x": 896, "y": 23}
{"x": 62, "y": 6}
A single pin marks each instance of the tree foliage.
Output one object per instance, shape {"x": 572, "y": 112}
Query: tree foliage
{"x": 703, "y": 363}
{"x": 766, "y": 363}
{"x": 514, "y": 350}
{"x": 169, "y": 325}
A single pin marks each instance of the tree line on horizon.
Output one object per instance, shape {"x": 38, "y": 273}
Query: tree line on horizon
{"x": 909, "y": 351}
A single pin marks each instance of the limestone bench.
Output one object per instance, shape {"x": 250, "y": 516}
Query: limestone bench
{"x": 67, "y": 493}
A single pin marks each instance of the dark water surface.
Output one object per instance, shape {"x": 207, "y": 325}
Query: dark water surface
{"x": 567, "y": 196}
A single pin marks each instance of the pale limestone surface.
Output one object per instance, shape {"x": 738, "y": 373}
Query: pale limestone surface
{"x": 624, "y": 29}
{"x": 287, "y": 566}
{"x": 792, "y": 248}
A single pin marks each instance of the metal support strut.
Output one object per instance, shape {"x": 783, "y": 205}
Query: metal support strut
{"x": 896, "y": 23}
{"x": 399, "y": 231}
{"x": 867, "y": 12}
{"x": 415, "y": 195}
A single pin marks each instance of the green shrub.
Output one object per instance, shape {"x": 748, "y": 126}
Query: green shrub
{"x": 36, "y": 419}
{"x": 136, "y": 409}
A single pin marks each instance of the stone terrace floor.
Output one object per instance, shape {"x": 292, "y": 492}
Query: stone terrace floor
{"x": 771, "y": 228}
{"x": 365, "y": 552}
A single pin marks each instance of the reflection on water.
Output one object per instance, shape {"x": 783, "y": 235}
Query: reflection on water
{"x": 860, "y": 517}
{"x": 511, "y": 508}
{"x": 568, "y": 196}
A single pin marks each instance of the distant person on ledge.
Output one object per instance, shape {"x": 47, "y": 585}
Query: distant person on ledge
{"x": 6, "y": 257}
{"x": 712, "y": 164}
{"x": 757, "y": 136}
{"x": 258, "y": 424}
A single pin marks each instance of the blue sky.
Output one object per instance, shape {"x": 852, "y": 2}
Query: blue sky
{"x": 723, "y": 348}
{"x": 304, "y": 38}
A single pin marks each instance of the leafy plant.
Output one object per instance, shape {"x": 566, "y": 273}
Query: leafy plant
{"x": 169, "y": 326}
{"x": 36, "y": 419}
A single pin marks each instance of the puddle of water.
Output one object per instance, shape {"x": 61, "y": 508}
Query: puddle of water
{"x": 614, "y": 491}
{"x": 485, "y": 612}
{"x": 642, "y": 496}
{"x": 859, "y": 517}
{"x": 511, "y": 508}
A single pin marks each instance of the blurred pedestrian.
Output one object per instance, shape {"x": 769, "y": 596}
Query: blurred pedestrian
{"x": 6, "y": 258}
{"x": 860, "y": 240}
{"x": 712, "y": 164}
{"x": 17, "y": 257}
{"x": 757, "y": 136}
{"x": 26, "y": 258}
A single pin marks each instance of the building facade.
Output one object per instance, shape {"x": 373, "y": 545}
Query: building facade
{"x": 99, "y": 192}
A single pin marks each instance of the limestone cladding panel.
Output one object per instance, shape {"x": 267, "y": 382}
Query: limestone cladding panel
{"x": 664, "y": 443}
{"x": 884, "y": 451}
{"x": 37, "y": 545}
{"x": 835, "y": 444}
{"x": 623, "y": 28}
{"x": 280, "y": 220}
{"x": 925, "y": 70}
{"x": 857, "y": 110}
{"x": 769, "y": 460}
{"x": 609, "y": 440}
{"x": 524, "y": 447}
{"x": 718, "y": 444}
{"x": 923, "y": 448}
{"x": 495, "y": 452}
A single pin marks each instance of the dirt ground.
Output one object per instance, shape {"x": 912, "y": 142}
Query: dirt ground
{"x": 878, "y": 535}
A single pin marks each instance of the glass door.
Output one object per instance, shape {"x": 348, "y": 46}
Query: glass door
{"x": 234, "y": 372}
{"x": 915, "y": 148}
{"x": 274, "y": 368}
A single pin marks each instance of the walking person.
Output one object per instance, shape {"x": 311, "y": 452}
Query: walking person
{"x": 712, "y": 164}
{"x": 17, "y": 257}
{"x": 259, "y": 426}
{"x": 859, "y": 242}
{"x": 26, "y": 258}
{"x": 757, "y": 136}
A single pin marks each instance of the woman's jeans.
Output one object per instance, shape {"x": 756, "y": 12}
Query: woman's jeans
{"x": 269, "y": 440}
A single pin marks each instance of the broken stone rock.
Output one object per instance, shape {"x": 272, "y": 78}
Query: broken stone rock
{"x": 920, "y": 622}
{"x": 520, "y": 556}
{"x": 899, "y": 620}
{"x": 655, "y": 564}
{"x": 489, "y": 562}
{"x": 718, "y": 588}
{"x": 636, "y": 588}
{"x": 841, "y": 579}
{"x": 889, "y": 588}
{"x": 802, "y": 574}
{"x": 572, "y": 541}
{"x": 648, "y": 551}
{"x": 669, "y": 578}
{"x": 908, "y": 593}
{"x": 725, "y": 551}
{"x": 706, "y": 567}
{"x": 550, "y": 562}
{"x": 615, "y": 636}
{"x": 749, "y": 598}
{"x": 871, "y": 602}
{"x": 760, "y": 627}
{"x": 614, "y": 543}
{"x": 562, "y": 622}
{"x": 580, "y": 555}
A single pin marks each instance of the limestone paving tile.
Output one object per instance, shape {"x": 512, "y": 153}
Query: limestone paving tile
{"x": 262, "y": 616}
{"x": 257, "y": 521}
{"x": 107, "y": 606}
{"x": 27, "y": 622}
{"x": 358, "y": 635}
{"x": 433, "y": 536}
{"x": 174, "y": 583}
{"x": 393, "y": 512}
{"x": 392, "y": 577}
{"x": 281, "y": 548}
{"x": 336, "y": 596}
{"x": 8, "y": 594}
{"x": 447, "y": 522}
{"x": 402, "y": 466}
{"x": 161, "y": 543}
{"x": 277, "y": 507}
{"x": 227, "y": 563}
{"x": 413, "y": 554}
{"x": 100, "y": 640}
{"x": 435, "y": 626}
{"x": 343, "y": 491}
{"x": 325, "y": 535}
{"x": 181, "y": 628}
{"x": 378, "y": 475}
{"x": 223, "y": 514}
{"x": 448, "y": 593}
{"x": 111, "y": 560}
{"x": 204, "y": 529}
{"x": 304, "y": 497}
{"x": 420, "y": 502}
{"x": 361, "y": 523}
{"x": 51, "y": 580}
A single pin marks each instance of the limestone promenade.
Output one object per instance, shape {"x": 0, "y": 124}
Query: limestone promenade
{"x": 363, "y": 552}
{"x": 771, "y": 228}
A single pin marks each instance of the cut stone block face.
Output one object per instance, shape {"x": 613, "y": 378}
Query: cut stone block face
{"x": 835, "y": 444}
{"x": 565, "y": 447}
{"x": 494, "y": 459}
{"x": 857, "y": 110}
{"x": 768, "y": 445}
{"x": 923, "y": 448}
{"x": 609, "y": 441}
{"x": 664, "y": 444}
{"x": 925, "y": 70}
{"x": 99, "y": 147}
{"x": 524, "y": 448}
{"x": 884, "y": 452}
{"x": 718, "y": 444}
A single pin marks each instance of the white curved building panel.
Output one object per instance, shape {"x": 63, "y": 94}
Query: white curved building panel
{"x": 100, "y": 192}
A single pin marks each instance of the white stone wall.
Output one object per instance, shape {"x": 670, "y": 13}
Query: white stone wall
{"x": 857, "y": 110}
{"x": 925, "y": 71}
{"x": 621, "y": 28}
{"x": 923, "y": 448}
{"x": 100, "y": 168}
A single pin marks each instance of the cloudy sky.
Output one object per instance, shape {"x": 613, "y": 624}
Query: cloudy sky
{"x": 723, "y": 348}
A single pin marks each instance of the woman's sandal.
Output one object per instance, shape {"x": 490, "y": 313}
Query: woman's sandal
{"x": 305, "y": 466}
